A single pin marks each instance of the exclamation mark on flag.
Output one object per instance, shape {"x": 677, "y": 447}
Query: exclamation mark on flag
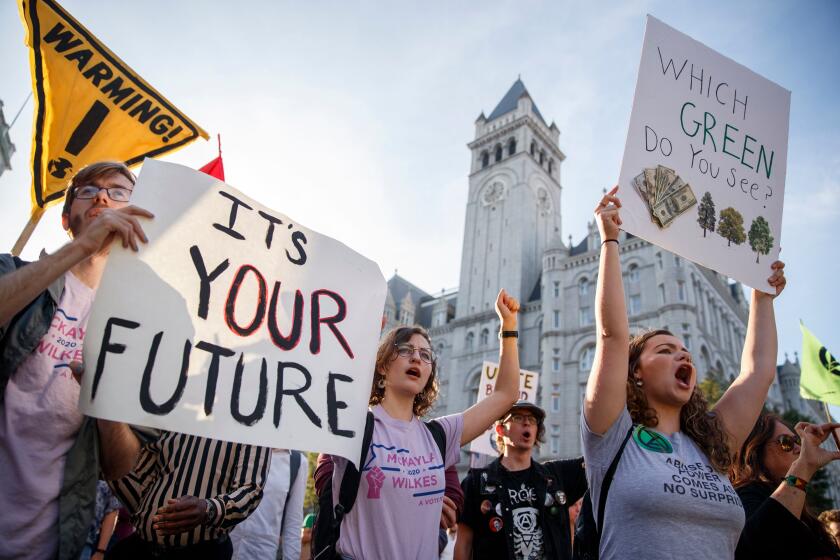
{"x": 87, "y": 128}
{"x": 80, "y": 138}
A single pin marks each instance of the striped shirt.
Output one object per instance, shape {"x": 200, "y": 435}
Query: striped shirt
{"x": 176, "y": 465}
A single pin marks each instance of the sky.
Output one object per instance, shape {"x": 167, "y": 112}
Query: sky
{"x": 353, "y": 117}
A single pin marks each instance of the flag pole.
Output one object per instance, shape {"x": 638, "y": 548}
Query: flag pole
{"x": 830, "y": 419}
{"x": 26, "y": 233}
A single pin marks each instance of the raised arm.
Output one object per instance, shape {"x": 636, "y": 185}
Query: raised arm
{"x": 606, "y": 391}
{"x": 740, "y": 405}
{"x": 481, "y": 415}
{"x": 19, "y": 288}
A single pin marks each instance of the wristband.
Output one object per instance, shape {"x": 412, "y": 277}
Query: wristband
{"x": 509, "y": 334}
{"x": 100, "y": 551}
{"x": 796, "y": 482}
{"x": 604, "y": 242}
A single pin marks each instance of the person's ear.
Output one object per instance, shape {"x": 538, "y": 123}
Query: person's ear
{"x": 65, "y": 221}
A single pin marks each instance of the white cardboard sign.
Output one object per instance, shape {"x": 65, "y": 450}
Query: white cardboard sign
{"x": 528, "y": 384}
{"x": 235, "y": 322}
{"x": 703, "y": 173}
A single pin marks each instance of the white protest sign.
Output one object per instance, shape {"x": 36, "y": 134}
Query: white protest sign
{"x": 703, "y": 173}
{"x": 235, "y": 322}
{"x": 528, "y": 383}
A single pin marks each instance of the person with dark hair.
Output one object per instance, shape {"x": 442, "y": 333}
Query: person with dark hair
{"x": 400, "y": 494}
{"x": 48, "y": 450}
{"x": 669, "y": 495}
{"x": 771, "y": 474}
{"x": 831, "y": 521}
{"x": 517, "y": 508}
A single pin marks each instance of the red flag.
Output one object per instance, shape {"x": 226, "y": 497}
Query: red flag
{"x": 216, "y": 167}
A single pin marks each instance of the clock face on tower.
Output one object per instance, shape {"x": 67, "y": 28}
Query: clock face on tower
{"x": 493, "y": 193}
{"x": 543, "y": 201}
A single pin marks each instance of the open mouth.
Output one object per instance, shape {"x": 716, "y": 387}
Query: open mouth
{"x": 413, "y": 372}
{"x": 683, "y": 376}
{"x": 526, "y": 434}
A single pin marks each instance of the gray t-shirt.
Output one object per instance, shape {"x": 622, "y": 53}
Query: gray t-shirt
{"x": 666, "y": 501}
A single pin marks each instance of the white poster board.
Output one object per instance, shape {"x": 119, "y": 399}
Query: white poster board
{"x": 528, "y": 384}
{"x": 235, "y": 322}
{"x": 703, "y": 173}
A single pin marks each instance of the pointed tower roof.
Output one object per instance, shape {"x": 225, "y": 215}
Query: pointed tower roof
{"x": 510, "y": 100}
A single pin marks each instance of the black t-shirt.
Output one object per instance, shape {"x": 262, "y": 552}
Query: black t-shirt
{"x": 483, "y": 514}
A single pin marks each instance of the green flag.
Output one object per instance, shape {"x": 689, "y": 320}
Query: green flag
{"x": 820, "y": 378}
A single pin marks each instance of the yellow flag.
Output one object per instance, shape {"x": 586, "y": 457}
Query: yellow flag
{"x": 89, "y": 105}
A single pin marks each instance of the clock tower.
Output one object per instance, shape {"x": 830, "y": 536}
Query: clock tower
{"x": 513, "y": 207}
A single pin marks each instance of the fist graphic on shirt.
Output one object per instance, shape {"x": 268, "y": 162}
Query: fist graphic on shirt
{"x": 375, "y": 478}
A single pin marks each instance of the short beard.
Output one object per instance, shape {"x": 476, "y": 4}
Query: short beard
{"x": 75, "y": 226}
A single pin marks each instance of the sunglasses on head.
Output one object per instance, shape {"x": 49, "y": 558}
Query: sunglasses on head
{"x": 787, "y": 442}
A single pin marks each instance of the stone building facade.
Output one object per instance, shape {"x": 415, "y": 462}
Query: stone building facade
{"x": 513, "y": 239}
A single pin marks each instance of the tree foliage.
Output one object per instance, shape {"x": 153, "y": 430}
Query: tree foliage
{"x": 760, "y": 239}
{"x": 731, "y": 226}
{"x": 713, "y": 386}
{"x": 706, "y": 213}
{"x": 310, "y": 499}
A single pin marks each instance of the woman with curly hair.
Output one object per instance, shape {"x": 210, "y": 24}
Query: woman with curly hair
{"x": 670, "y": 496}
{"x": 399, "y": 502}
{"x": 771, "y": 474}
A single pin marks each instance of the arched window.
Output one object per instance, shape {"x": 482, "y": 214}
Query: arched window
{"x": 470, "y": 341}
{"x": 499, "y": 152}
{"x": 633, "y": 273}
{"x": 485, "y": 159}
{"x": 583, "y": 286}
{"x": 586, "y": 357}
{"x": 485, "y": 338}
{"x": 542, "y": 156}
{"x": 550, "y": 166}
{"x": 512, "y": 146}
{"x": 533, "y": 148}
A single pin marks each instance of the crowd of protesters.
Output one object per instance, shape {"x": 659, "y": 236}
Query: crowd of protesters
{"x": 663, "y": 474}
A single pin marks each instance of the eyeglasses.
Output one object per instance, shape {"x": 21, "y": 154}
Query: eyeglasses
{"x": 523, "y": 419}
{"x": 407, "y": 351}
{"x": 787, "y": 441}
{"x": 117, "y": 194}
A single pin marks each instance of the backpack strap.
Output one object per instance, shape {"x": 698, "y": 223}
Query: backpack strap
{"x": 350, "y": 481}
{"x": 608, "y": 478}
{"x": 439, "y": 436}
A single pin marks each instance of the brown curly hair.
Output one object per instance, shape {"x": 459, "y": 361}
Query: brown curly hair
{"x": 748, "y": 465}
{"x": 387, "y": 352}
{"x": 696, "y": 420}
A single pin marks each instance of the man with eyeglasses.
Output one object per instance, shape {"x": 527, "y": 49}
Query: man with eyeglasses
{"x": 517, "y": 508}
{"x": 49, "y": 462}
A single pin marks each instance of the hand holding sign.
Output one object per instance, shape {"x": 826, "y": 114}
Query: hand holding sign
{"x": 706, "y": 156}
{"x": 110, "y": 224}
{"x": 242, "y": 325}
{"x": 607, "y": 217}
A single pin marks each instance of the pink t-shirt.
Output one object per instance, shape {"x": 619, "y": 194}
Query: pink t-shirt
{"x": 397, "y": 509}
{"x": 39, "y": 421}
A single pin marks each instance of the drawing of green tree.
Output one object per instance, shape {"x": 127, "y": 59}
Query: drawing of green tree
{"x": 760, "y": 239}
{"x": 706, "y": 213}
{"x": 731, "y": 226}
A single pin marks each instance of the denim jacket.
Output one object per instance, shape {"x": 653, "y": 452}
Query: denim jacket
{"x": 18, "y": 338}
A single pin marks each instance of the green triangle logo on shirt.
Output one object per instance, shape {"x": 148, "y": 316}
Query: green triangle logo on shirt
{"x": 649, "y": 440}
